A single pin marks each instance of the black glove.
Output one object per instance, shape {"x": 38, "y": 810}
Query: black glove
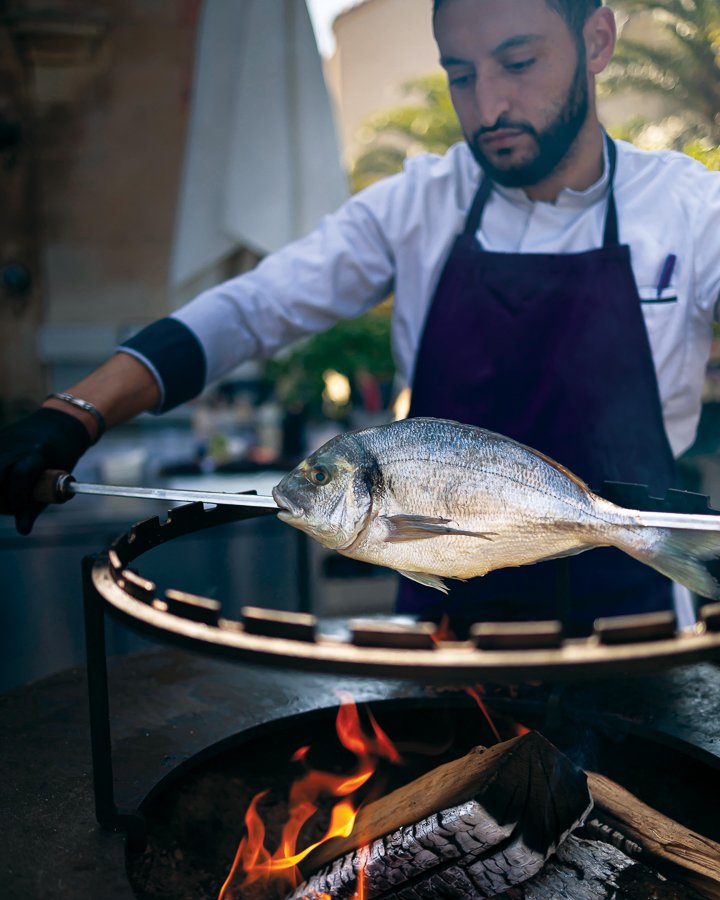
{"x": 46, "y": 439}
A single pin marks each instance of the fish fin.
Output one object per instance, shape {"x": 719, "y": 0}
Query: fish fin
{"x": 431, "y": 581}
{"x": 416, "y": 528}
{"x": 561, "y": 468}
{"x": 680, "y": 555}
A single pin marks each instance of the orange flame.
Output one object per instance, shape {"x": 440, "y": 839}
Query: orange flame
{"x": 254, "y": 862}
{"x": 517, "y": 728}
{"x": 443, "y": 632}
{"x": 475, "y": 694}
{"x": 363, "y": 855}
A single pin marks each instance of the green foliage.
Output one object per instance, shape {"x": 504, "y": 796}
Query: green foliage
{"x": 709, "y": 156}
{"x": 680, "y": 60}
{"x": 426, "y": 123}
{"x": 353, "y": 345}
{"x": 635, "y": 131}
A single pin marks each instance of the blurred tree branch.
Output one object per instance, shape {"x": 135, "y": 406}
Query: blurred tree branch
{"x": 679, "y": 58}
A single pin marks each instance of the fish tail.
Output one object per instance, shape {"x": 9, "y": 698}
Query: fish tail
{"x": 679, "y": 554}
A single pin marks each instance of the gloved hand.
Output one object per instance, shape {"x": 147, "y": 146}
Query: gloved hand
{"x": 46, "y": 439}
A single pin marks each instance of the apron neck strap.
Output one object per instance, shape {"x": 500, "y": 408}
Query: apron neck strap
{"x": 472, "y": 223}
{"x": 610, "y": 237}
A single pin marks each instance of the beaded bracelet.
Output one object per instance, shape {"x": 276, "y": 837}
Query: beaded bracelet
{"x": 87, "y": 407}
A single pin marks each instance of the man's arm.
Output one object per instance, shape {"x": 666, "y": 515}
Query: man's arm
{"x": 341, "y": 269}
{"x": 57, "y": 434}
{"x": 120, "y": 389}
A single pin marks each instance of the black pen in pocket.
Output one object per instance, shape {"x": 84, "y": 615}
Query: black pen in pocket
{"x": 666, "y": 273}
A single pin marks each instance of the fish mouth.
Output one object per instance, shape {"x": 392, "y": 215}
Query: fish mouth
{"x": 286, "y": 509}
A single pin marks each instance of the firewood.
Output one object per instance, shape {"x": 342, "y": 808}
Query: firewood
{"x": 583, "y": 869}
{"x": 580, "y": 869}
{"x": 470, "y": 828}
{"x": 666, "y": 842}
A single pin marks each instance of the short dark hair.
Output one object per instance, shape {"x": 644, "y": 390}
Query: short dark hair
{"x": 575, "y": 12}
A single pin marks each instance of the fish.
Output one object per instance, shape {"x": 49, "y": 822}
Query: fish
{"x": 435, "y": 499}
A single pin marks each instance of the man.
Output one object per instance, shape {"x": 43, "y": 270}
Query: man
{"x": 550, "y": 284}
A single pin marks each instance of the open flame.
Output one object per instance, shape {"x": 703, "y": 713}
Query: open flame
{"x": 254, "y": 862}
{"x": 477, "y": 693}
{"x": 443, "y": 632}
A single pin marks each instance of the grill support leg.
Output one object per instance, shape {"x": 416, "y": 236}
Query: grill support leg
{"x": 107, "y": 813}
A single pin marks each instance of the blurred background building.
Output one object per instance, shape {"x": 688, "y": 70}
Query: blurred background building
{"x": 151, "y": 148}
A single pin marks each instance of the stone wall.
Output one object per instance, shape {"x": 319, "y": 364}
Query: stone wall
{"x": 101, "y": 92}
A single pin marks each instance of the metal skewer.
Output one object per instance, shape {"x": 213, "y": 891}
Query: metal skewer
{"x": 685, "y": 521}
{"x": 57, "y": 487}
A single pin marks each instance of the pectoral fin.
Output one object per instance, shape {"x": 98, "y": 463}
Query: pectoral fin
{"x": 432, "y": 581}
{"x": 417, "y": 528}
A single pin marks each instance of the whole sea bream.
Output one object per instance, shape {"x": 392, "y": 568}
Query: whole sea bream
{"x": 435, "y": 499}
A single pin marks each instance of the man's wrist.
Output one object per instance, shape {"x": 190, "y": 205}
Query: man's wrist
{"x": 86, "y": 418}
{"x": 85, "y": 406}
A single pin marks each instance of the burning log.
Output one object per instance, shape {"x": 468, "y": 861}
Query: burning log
{"x": 471, "y": 828}
{"x": 583, "y": 869}
{"x": 665, "y": 843}
{"x": 439, "y": 855}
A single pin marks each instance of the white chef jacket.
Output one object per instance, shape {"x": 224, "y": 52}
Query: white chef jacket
{"x": 396, "y": 235}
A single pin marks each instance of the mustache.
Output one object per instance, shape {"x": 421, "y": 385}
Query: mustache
{"x": 502, "y": 124}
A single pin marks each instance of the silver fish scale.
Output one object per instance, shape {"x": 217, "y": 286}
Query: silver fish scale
{"x": 469, "y": 456}
{"x": 483, "y": 483}
{"x": 432, "y": 498}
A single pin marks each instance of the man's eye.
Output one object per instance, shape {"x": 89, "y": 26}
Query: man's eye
{"x": 519, "y": 65}
{"x": 461, "y": 80}
{"x": 319, "y": 475}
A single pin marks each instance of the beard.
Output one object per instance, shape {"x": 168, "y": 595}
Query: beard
{"x": 554, "y": 142}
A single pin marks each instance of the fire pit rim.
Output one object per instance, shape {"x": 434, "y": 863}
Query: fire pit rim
{"x": 196, "y": 622}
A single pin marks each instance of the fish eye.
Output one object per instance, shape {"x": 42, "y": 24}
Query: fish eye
{"x": 319, "y": 475}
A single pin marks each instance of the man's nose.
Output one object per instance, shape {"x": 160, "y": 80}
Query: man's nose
{"x": 492, "y": 101}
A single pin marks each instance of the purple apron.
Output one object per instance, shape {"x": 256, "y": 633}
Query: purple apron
{"x": 552, "y": 350}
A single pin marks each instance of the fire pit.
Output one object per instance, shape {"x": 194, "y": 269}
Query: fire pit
{"x": 195, "y": 822}
{"x": 259, "y": 714}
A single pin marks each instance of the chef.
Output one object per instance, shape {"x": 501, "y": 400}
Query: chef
{"x": 550, "y": 284}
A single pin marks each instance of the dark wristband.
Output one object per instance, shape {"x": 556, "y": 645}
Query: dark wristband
{"x": 175, "y": 353}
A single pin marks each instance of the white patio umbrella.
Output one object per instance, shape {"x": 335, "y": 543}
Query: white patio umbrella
{"x": 262, "y": 162}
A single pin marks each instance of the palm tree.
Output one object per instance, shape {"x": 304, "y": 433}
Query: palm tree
{"x": 427, "y": 123}
{"x": 681, "y": 61}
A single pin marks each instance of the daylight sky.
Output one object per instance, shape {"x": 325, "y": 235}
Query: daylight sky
{"x": 322, "y": 13}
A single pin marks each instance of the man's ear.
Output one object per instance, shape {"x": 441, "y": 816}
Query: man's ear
{"x": 600, "y": 34}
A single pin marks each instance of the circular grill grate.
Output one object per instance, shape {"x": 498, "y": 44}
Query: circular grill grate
{"x": 495, "y": 652}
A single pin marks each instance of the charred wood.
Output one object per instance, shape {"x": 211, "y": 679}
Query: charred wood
{"x": 471, "y": 828}
{"x": 583, "y": 869}
{"x": 480, "y": 847}
{"x": 524, "y": 774}
{"x": 580, "y": 869}
{"x": 665, "y": 844}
